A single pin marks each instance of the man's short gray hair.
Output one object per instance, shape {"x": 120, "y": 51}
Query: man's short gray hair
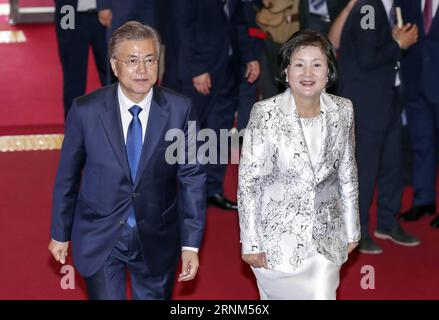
{"x": 134, "y": 30}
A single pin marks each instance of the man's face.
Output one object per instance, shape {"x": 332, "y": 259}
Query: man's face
{"x": 135, "y": 65}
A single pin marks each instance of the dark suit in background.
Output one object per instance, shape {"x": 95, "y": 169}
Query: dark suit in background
{"x": 73, "y": 48}
{"x": 320, "y": 23}
{"x": 368, "y": 60}
{"x": 420, "y": 68}
{"x": 212, "y": 42}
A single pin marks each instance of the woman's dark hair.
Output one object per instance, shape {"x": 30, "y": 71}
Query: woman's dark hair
{"x": 307, "y": 38}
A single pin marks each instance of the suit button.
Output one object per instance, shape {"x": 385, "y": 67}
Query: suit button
{"x": 122, "y": 222}
{"x": 134, "y": 194}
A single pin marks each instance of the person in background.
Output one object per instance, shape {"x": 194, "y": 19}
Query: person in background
{"x": 213, "y": 43}
{"x": 336, "y": 28}
{"x": 74, "y": 46}
{"x": 298, "y": 186}
{"x": 420, "y": 68}
{"x": 369, "y": 76}
{"x": 114, "y": 13}
{"x": 117, "y": 197}
{"x": 320, "y": 14}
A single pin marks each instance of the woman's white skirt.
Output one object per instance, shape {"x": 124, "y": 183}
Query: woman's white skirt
{"x": 317, "y": 278}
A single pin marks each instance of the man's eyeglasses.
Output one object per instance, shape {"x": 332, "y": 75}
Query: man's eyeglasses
{"x": 134, "y": 63}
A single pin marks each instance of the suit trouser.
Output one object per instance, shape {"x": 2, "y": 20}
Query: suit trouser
{"x": 109, "y": 282}
{"x": 423, "y": 123}
{"x": 73, "y": 48}
{"x": 216, "y": 111}
{"x": 379, "y": 160}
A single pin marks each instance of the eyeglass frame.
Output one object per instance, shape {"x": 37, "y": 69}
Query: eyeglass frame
{"x": 136, "y": 65}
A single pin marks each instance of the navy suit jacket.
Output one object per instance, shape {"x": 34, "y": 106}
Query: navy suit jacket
{"x": 205, "y": 35}
{"x": 367, "y": 61}
{"x": 168, "y": 199}
{"x": 420, "y": 63}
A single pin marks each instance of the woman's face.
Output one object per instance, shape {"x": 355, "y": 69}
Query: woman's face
{"x": 307, "y": 72}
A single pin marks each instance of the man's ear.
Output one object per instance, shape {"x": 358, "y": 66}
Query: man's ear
{"x": 113, "y": 66}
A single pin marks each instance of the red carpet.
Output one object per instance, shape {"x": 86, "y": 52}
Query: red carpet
{"x": 27, "y": 271}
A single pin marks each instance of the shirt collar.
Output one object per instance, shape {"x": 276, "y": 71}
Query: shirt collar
{"x": 125, "y": 103}
{"x": 387, "y": 5}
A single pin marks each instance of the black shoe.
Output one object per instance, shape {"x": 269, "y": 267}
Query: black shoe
{"x": 418, "y": 211}
{"x": 435, "y": 222}
{"x": 397, "y": 235}
{"x": 368, "y": 246}
{"x": 222, "y": 202}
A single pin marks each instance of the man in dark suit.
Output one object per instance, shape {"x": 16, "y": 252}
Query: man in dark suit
{"x": 114, "y": 13}
{"x": 74, "y": 45}
{"x": 213, "y": 43}
{"x": 118, "y": 196}
{"x": 420, "y": 67}
{"x": 319, "y": 14}
{"x": 369, "y": 56}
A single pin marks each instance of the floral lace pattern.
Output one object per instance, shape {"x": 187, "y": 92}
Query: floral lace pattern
{"x": 288, "y": 208}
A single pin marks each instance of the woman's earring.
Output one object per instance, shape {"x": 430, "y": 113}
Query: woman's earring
{"x": 286, "y": 78}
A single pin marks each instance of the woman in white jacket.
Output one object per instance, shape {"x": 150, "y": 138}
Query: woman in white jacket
{"x": 298, "y": 185}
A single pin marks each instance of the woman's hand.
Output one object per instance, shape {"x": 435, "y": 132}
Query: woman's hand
{"x": 255, "y": 260}
{"x": 352, "y": 246}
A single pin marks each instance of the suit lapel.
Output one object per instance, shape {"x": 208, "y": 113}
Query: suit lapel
{"x": 112, "y": 124}
{"x": 158, "y": 116}
{"x": 329, "y": 131}
{"x": 288, "y": 107}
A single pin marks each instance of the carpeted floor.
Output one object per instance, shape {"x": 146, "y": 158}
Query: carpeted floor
{"x": 27, "y": 271}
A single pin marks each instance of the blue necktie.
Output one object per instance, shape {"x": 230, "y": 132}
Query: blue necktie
{"x": 134, "y": 149}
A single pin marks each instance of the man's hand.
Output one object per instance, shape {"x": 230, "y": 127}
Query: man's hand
{"x": 352, "y": 246}
{"x": 255, "y": 260}
{"x": 59, "y": 250}
{"x": 253, "y": 71}
{"x": 202, "y": 83}
{"x": 406, "y": 36}
{"x": 105, "y": 16}
{"x": 189, "y": 265}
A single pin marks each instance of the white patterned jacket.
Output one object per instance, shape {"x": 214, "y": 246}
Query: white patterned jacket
{"x": 288, "y": 209}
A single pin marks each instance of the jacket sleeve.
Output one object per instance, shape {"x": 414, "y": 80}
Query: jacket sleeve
{"x": 348, "y": 178}
{"x": 192, "y": 186}
{"x": 68, "y": 177}
{"x": 254, "y": 166}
